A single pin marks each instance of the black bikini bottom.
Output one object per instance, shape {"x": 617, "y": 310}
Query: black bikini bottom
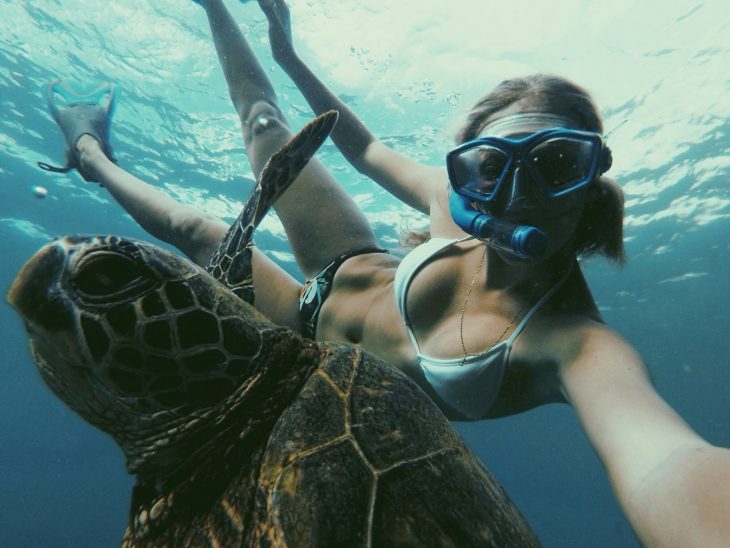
{"x": 316, "y": 290}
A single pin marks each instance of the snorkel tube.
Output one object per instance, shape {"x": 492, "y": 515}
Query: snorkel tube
{"x": 525, "y": 242}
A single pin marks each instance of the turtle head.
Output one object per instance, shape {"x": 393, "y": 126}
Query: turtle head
{"x": 145, "y": 345}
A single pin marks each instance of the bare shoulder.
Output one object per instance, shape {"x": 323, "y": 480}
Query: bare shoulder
{"x": 590, "y": 365}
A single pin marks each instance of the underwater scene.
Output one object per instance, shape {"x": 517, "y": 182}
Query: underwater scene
{"x": 412, "y": 70}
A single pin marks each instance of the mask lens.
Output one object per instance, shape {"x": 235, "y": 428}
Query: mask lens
{"x": 479, "y": 169}
{"x": 563, "y": 162}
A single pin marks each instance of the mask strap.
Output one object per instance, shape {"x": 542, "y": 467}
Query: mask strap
{"x": 527, "y": 120}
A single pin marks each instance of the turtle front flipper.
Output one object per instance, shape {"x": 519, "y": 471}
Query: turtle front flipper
{"x": 231, "y": 261}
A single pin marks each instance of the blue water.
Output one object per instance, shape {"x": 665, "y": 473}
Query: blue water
{"x": 411, "y": 74}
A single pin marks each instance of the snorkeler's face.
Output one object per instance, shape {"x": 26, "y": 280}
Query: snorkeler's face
{"x": 521, "y": 198}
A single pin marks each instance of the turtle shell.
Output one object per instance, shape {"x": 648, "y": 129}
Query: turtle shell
{"x": 362, "y": 457}
{"x": 359, "y": 457}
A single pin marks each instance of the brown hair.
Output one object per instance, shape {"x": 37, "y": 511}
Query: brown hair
{"x": 600, "y": 230}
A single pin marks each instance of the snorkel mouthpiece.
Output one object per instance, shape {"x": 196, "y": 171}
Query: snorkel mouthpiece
{"x": 526, "y": 242}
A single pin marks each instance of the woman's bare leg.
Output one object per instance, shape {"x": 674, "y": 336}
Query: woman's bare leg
{"x": 277, "y": 293}
{"x": 321, "y": 221}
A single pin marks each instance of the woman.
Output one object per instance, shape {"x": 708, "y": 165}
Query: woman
{"x": 460, "y": 298}
{"x": 486, "y": 330}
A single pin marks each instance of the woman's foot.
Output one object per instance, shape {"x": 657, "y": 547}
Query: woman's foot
{"x": 78, "y": 115}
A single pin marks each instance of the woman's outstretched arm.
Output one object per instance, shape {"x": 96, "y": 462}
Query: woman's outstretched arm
{"x": 413, "y": 183}
{"x": 673, "y": 486}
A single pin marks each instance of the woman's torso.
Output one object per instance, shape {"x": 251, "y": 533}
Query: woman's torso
{"x": 361, "y": 309}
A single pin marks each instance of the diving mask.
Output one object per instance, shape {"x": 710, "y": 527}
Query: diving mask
{"x": 559, "y": 160}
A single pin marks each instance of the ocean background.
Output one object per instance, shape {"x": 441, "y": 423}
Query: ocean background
{"x": 658, "y": 70}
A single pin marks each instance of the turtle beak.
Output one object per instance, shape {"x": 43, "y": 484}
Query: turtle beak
{"x": 31, "y": 291}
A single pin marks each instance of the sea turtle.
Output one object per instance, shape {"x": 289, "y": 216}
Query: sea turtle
{"x": 240, "y": 432}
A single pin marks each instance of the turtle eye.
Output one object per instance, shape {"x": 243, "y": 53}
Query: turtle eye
{"x": 108, "y": 274}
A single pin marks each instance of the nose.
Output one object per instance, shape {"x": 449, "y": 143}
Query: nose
{"x": 516, "y": 190}
{"x": 516, "y": 185}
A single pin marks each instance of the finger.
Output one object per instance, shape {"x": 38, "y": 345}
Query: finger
{"x": 281, "y": 10}
{"x": 266, "y": 6}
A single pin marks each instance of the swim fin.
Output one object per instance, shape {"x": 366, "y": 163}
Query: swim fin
{"x": 81, "y": 114}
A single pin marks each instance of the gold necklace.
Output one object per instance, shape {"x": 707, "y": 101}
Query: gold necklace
{"x": 467, "y": 355}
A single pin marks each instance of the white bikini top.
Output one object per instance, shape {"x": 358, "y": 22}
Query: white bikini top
{"x": 470, "y": 385}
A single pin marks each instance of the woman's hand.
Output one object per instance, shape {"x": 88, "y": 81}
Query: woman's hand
{"x": 277, "y": 13}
